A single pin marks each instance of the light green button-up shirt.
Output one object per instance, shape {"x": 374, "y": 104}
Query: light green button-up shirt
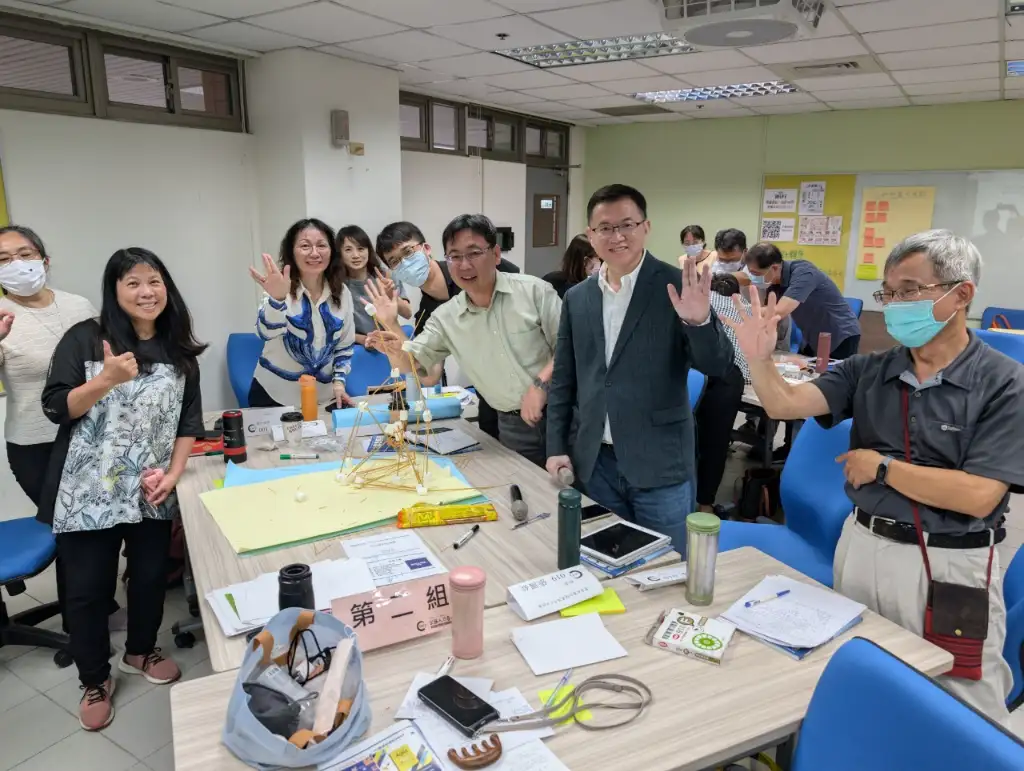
{"x": 501, "y": 348}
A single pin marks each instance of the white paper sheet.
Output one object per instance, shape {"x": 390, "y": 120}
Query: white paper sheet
{"x": 413, "y": 708}
{"x": 555, "y": 646}
{"x": 533, "y": 756}
{"x": 551, "y": 593}
{"x": 394, "y": 557}
{"x": 257, "y": 600}
{"x": 655, "y": 579}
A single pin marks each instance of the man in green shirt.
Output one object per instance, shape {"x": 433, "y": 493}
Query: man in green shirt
{"x": 501, "y": 330}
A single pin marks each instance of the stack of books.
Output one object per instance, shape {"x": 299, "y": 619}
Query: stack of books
{"x": 613, "y": 571}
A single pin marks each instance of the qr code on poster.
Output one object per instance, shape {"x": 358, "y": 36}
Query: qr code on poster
{"x": 771, "y": 230}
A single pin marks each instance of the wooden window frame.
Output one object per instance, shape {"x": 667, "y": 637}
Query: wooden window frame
{"x": 79, "y": 103}
{"x": 460, "y": 127}
{"x": 422, "y": 104}
{"x": 545, "y": 127}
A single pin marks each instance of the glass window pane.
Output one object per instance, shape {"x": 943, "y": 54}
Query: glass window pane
{"x": 202, "y": 91}
{"x": 409, "y": 119}
{"x": 533, "y": 137}
{"x": 504, "y": 137}
{"x": 34, "y": 66}
{"x": 476, "y": 132}
{"x": 443, "y": 122}
{"x": 135, "y": 81}
{"x": 556, "y": 144}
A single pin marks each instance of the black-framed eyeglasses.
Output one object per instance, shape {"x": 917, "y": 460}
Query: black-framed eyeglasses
{"x": 21, "y": 254}
{"x": 471, "y": 256}
{"x": 910, "y": 294}
{"x": 626, "y": 229}
{"x": 396, "y": 257}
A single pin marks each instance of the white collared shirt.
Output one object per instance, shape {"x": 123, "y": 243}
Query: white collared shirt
{"x": 613, "y": 311}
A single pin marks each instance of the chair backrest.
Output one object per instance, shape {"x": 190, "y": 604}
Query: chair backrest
{"x": 812, "y": 485}
{"x": 1011, "y": 345}
{"x": 872, "y": 711}
{"x": 243, "y": 353}
{"x": 695, "y": 382}
{"x": 1013, "y": 648}
{"x": 856, "y": 305}
{"x": 1013, "y": 315}
{"x": 796, "y": 338}
{"x": 369, "y": 369}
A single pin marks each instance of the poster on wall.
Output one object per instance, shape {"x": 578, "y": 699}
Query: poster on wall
{"x": 780, "y": 201}
{"x": 820, "y": 231}
{"x": 888, "y": 215}
{"x": 812, "y": 198}
{"x": 778, "y": 229}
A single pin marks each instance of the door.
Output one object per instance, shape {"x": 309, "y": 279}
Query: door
{"x": 547, "y": 200}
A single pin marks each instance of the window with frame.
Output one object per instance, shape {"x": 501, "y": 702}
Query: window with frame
{"x": 547, "y": 145}
{"x": 413, "y": 123}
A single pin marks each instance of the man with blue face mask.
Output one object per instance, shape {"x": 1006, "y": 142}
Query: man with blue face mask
{"x": 935, "y": 450}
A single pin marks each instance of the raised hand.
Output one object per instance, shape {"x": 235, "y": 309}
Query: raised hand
{"x": 119, "y": 369}
{"x": 386, "y": 283}
{"x": 693, "y": 304}
{"x": 6, "y": 322}
{"x": 388, "y": 343}
{"x": 757, "y": 330}
{"x": 275, "y": 283}
{"x": 385, "y": 305}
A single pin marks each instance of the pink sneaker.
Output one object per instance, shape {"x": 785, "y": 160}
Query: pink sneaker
{"x": 96, "y": 709}
{"x": 152, "y": 666}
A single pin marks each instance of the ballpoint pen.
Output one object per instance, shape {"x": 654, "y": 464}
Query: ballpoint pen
{"x": 526, "y": 522}
{"x": 446, "y": 667}
{"x": 465, "y": 539}
{"x": 752, "y": 603}
{"x": 558, "y": 688}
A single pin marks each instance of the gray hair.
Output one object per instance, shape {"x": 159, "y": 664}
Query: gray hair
{"x": 953, "y": 258}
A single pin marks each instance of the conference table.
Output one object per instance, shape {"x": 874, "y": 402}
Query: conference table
{"x": 509, "y": 556}
{"x": 702, "y": 715}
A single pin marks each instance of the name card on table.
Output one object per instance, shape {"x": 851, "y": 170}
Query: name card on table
{"x": 395, "y": 613}
{"x": 553, "y": 592}
{"x": 261, "y": 420}
{"x": 654, "y": 579}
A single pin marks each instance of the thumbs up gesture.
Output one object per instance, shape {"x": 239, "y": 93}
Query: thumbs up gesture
{"x": 119, "y": 369}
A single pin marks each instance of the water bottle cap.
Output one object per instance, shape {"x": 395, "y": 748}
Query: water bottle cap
{"x": 703, "y": 522}
{"x": 569, "y": 497}
{"x": 467, "y": 577}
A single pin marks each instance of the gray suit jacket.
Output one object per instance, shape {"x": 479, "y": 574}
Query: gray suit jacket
{"x": 643, "y": 388}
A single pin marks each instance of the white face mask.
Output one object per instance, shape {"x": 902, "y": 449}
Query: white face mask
{"x": 692, "y": 250}
{"x": 23, "y": 278}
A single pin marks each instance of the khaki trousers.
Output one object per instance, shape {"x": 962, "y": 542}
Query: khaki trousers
{"x": 889, "y": 578}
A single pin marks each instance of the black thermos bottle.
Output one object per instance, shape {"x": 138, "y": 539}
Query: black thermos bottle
{"x": 234, "y": 436}
{"x": 295, "y": 587}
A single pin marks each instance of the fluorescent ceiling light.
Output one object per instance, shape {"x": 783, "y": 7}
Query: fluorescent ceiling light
{"x": 1014, "y": 68}
{"x": 612, "y": 49}
{"x": 718, "y": 92}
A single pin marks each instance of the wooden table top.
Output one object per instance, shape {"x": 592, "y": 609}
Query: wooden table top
{"x": 702, "y": 715}
{"x": 508, "y": 556}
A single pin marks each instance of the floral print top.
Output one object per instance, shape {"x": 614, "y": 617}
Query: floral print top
{"x": 95, "y": 474}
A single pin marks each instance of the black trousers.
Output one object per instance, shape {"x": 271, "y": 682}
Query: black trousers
{"x": 91, "y": 556}
{"x": 258, "y": 396}
{"x": 844, "y": 350}
{"x": 716, "y": 415}
{"x": 487, "y": 417}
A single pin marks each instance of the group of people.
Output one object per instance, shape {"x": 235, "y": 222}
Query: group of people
{"x": 585, "y": 369}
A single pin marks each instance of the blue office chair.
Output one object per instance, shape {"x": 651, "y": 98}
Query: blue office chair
{"x": 369, "y": 368}
{"x": 1011, "y": 345}
{"x": 814, "y": 501}
{"x": 27, "y": 547}
{"x": 856, "y": 305}
{"x": 1013, "y": 648}
{"x": 243, "y": 353}
{"x": 695, "y": 383}
{"x": 796, "y": 338}
{"x": 872, "y": 711}
{"x": 1014, "y": 316}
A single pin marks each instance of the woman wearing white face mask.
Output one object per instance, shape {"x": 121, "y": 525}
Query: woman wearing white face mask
{"x": 695, "y": 246}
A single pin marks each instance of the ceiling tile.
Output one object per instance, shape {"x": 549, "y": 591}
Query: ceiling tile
{"x": 532, "y": 6}
{"x": 326, "y": 22}
{"x": 715, "y": 107}
{"x": 1014, "y": 84}
{"x": 674, "y": 116}
{"x": 575, "y": 91}
{"x": 1014, "y": 49}
{"x": 976, "y": 96}
{"x": 841, "y": 3}
{"x": 699, "y": 62}
{"x": 604, "y": 71}
{"x": 578, "y": 115}
{"x": 411, "y": 74}
{"x": 242, "y": 35}
{"x": 731, "y": 77}
{"x": 143, "y": 13}
{"x": 428, "y": 13}
{"x": 939, "y": 74}
{"x": 533, "y": 79}
{"x": 957, "y": 87}
{"x": 511, "y": 98}
{"x": 609, "y": 121}
{"x": 790, "y": 109}
{"x": 941, "y": 36}
{"x": 1015, "y": 32}
{"x": 602, "y": 102}
{"x": 831, "y": 25}
{"x": 547, "y": 108}
{"x": 410, "y": 46}
{"x": 943, "y": 57}
{"x": 654, "y": 83}
{"x": 838, "y": 82}
{"x": 471, "y": 89}
{"x": 851, "y": 94}
{"x": 807, "y": 50}
{"x": 46, "y": 2}
{"x": 759, "y": 101}
{"x": 901, "y": 14}
{"x": 478, "y": 65}
{"x": 720, "y": 111}
{"x": 234, "y": 9}
{"x": 357, "y": 56}
{"x": 866, "y": 104}
{"x": 483, "y": 35}
{"x": 613, "y": 19}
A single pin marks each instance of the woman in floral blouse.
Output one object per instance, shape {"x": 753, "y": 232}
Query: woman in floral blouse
{"x": 125, "y": 392}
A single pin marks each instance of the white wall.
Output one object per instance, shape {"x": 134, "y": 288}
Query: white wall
{"x": 90, "y": 187}
{"x": 578, "y": 194}
{"x": 504, "y": 201}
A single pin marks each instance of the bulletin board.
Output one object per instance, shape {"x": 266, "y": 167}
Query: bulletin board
{"x": 887, "y": 216}
{"x": 809, "y": 217}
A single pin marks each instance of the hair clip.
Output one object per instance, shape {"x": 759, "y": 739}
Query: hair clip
{"x": 486, "y": 754}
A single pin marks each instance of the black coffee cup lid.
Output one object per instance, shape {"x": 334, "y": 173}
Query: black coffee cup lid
{"x": 291, "y": 417}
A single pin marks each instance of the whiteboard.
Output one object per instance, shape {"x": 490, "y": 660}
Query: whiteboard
{"x": 985, "y": 206}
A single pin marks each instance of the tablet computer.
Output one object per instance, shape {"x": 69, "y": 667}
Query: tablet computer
{"x": 620, "y": 543}
{"x": 594, "y": 512}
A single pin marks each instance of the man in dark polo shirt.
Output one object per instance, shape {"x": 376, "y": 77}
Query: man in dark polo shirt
{"x": 810, "y": 297}
{"x": 959, "y": 402}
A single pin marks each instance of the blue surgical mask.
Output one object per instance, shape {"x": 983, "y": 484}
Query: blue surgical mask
{"x": 413, "y": 270}
{"x": 692, "y": 250}
{"x": 913, "y": 324}
{"x": 756, "y": 280}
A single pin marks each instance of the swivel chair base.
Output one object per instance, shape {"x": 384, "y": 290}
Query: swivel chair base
{"x": 23, "y": 629}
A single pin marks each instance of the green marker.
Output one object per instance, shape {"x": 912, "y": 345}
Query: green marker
{"x": 300, "y": 456}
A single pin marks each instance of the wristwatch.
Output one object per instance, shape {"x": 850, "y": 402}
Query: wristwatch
{"x": 541, "y": 384}
{"x": 883, "y": 470}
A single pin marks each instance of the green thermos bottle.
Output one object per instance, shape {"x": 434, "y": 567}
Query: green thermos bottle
{"x": 570, "y": 513}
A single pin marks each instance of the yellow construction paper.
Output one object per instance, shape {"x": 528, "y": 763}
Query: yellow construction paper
{"x": 404, "y": 758}
{"x": 265, "y": 515}
{"x": 606, "y": 603}
{"x": 583, "y": 714}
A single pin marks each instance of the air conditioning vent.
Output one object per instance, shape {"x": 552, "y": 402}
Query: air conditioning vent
{"x": 829, "y": 68}
{"x": 822, "y": 68}
{"x": 628, "y": 112}
{"x": 734, "y": 23}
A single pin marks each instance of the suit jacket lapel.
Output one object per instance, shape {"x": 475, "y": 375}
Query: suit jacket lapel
{"x": 595, "y": 312}
{"x": 637, "y": 305}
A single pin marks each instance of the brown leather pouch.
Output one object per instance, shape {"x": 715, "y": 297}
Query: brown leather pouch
{"x": 956, "y": 620}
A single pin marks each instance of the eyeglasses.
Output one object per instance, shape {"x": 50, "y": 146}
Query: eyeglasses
{"x": 471, "y": 256}
{"x": 310, "y": 248}
{"x": 910, "y": 294}
{"x": 626, "y": 229}
{"x": 406, "y": 251}
{"x": 21, "y": 254}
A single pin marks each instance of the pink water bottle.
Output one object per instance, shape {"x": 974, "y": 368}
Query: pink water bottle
{"x": 467, "y": 585}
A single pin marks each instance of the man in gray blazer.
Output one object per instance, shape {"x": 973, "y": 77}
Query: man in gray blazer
{"x": 626, "y": 341}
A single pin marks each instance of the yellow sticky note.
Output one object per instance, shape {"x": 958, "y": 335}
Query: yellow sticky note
{"x": 218, "y": 484}
{"x": 404, "y": 758}
{"x": 564, "y": 691}
{"x": 867, "y": 272}
{"x": 606, "y": 603}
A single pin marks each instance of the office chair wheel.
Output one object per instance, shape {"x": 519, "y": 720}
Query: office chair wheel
{"x": 62, "y": 659}
{"x": 184, "y": 639}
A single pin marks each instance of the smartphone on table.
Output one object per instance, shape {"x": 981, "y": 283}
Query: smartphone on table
{"x": 462, "y": 708}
